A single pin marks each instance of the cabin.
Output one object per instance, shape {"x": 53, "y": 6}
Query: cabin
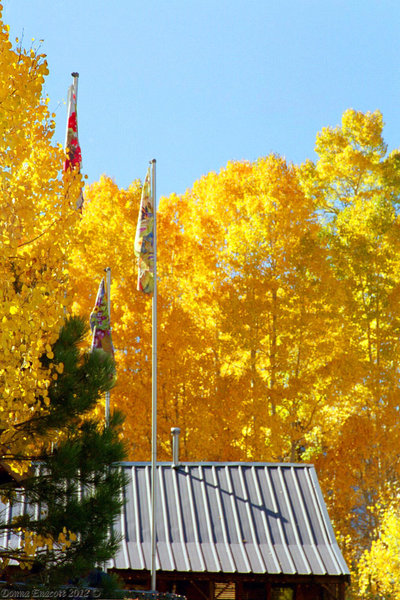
{"x": 230, "y": 531}
{"x": 226, "y": 531}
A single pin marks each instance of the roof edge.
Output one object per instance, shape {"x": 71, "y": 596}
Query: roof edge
{"x": 216, "y": 463}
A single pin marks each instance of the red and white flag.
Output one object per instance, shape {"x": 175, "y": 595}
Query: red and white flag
{"x": 72, "y": 148}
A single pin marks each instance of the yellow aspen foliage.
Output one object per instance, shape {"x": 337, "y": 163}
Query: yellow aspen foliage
{"x": 34, "y": 544}
{"x": 355, "y": 185}
{"x": 37, "y": 218}
{"x": 379, "y": 567}
{"x": 106, "y": 232}
{"x": 105, "y": 237}
{"x": 248, "y": 344}
{"x": 261, "y": 291}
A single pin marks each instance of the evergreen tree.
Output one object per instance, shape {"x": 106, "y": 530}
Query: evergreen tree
{"x": 63, "y": 510}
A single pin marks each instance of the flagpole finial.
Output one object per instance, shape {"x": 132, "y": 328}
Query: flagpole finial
{"x": 74, "y": 74}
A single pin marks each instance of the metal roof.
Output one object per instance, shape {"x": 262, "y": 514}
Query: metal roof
{"x": 264, "y": 518}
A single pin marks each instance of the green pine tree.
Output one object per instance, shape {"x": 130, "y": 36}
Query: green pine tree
{"x": 74, "y": 484}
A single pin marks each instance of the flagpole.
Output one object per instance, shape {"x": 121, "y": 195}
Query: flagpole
{"x": 154, "y": 387}
{"x": 108, "y": 288}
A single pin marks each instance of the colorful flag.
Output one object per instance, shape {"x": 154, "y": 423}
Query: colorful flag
{"x": 100, "y": 322}
{"x": 144, "y": 240}
{"x": 72, "y": 147}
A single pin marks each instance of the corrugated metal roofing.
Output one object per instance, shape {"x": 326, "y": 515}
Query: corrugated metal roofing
{"x": 229, "y": 517}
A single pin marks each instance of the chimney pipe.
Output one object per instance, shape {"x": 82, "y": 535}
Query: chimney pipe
{"x": 175, "y": 431}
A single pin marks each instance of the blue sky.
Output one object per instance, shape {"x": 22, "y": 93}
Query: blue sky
{"x": 196, "y": 83}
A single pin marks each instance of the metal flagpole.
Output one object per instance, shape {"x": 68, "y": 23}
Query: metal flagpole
{"x": 108, "y": 288}
{"x": 154, "y": 386}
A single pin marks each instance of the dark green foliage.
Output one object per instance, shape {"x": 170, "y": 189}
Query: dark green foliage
{"x": 75, "y": 482}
